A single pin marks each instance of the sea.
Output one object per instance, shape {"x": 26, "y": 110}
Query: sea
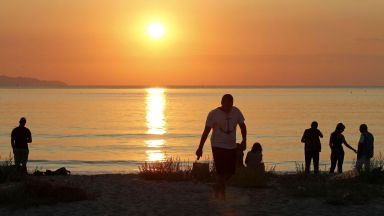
{"x": 116, "y": 130}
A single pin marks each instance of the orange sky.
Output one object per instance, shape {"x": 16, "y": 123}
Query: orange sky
{"x": 248, "y": 42}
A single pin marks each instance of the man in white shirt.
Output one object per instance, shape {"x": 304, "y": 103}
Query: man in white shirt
{"x": 223, "y": 121}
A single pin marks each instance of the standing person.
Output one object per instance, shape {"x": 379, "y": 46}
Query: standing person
{"x": 223, "y": 120}
{"x": 337, "y": 152}
{"x": 20, "y": 138}
{"x": 312, "y": 147}
{"x": 364, "y": 149}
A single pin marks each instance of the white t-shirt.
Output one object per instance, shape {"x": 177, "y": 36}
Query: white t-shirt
{"x": 224, "y": 127}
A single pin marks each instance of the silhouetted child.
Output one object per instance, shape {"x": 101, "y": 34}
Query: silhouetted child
{"x": 254, "y": 158}
{"x": 240, "y": 155}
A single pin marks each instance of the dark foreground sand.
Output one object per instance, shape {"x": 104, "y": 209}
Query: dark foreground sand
{"x": 129, "y": 195}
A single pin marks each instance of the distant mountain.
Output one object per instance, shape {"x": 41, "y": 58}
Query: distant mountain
{"x": 6, "y": 81}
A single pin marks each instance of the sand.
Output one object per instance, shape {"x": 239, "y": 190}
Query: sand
{"x": 130, "y": 195}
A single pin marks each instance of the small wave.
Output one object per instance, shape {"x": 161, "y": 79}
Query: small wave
{"x": 131, "y": 135}
{"x": 101, "y": 162}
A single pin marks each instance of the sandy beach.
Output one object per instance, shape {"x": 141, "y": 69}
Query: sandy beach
{"x": 131, "y": 195}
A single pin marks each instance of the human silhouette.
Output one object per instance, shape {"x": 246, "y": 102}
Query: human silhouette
{"x": 20, "y": 138}
{"x": 364, "y": 149}
{"x": 336, "y": 142}
{"x": 223, "y": 121}
{"x": 240, "y": 155}
{"x": 254, "y": 158}
{"x": 312, "y": 147}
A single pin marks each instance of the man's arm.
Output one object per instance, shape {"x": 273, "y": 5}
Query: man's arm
{"x": 29, "y": 139}
{"x": 320, "y": 134}
{"x": 12, "y": 140}
{"x": 204, "y": 136}
{"x": 303, "y": 137}
{"x": 243, "y": 129}
{"x": 348, "y": 146}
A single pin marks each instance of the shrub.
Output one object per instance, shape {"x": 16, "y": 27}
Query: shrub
{"x": 9, "y": 172}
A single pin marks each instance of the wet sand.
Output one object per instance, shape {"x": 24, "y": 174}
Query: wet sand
{"x": 130, "y": 195}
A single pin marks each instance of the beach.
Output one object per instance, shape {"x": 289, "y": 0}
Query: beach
{"x": 128, "y": 194}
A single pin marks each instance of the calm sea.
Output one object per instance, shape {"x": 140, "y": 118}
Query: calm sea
{"x": 94, "y": 130}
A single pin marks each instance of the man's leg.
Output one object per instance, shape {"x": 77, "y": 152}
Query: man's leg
{"x": 367, "y": 164}
{"x": 359, "y": 163}
{"x": 340, "y": 162}
{"x": 16, "y": 157}
{"x": 308, "y": 158}
{"x": 316, "y": 156}
{"x": 333, "y": 162}
{"x": 220, "y": 156}
{"x": 24, "y": 160}
{"x": 230, "y": 165}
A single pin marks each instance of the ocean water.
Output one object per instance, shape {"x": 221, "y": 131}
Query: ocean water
{"x": 114, "y": 130}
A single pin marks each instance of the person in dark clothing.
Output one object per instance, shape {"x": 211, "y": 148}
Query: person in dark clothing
{"x": 20, "y": 138}
{"x": 364, "y": 149}
{"x": 312, "y": 147}
{"x": 336, "y": 142}
{"x": 254, "y": 159}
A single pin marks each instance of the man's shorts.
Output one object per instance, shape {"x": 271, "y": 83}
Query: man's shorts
{"x": 20, "y": 156}
{"x": 225, "y": 161}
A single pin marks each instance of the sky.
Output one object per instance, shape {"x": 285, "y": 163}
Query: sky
{"x": 248, "y": 42}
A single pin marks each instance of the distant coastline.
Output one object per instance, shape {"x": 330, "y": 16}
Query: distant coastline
{"x": 21, "y": 82}
{"x": 28, "y": 82}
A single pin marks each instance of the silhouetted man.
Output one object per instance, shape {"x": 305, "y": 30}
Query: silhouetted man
{"x": 364, "y": 149}
{"x": 312, "y": 149}
{"x": 223, "y": 120}
{"x": 20, "y": 138}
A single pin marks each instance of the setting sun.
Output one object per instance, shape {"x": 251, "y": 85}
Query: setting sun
{"x": 156, "y": 30}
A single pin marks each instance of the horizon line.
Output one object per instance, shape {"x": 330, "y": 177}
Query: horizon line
{"x": 199, "y": 86}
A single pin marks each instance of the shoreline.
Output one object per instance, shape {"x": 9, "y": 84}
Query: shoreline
{"x": 132, "y": 167}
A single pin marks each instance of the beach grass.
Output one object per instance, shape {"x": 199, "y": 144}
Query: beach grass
{"x": 171, "y": 169}
{"x": 348, "y": 188}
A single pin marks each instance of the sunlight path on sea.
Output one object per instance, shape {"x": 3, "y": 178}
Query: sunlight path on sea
{"x": 156, "y": 123}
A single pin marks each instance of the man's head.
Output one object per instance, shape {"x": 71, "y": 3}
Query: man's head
{"x": 23, "y": 121}
{"x": 314, "y": 124}
{"x": 227, "y": 102}
{"x": 363, "y": 128}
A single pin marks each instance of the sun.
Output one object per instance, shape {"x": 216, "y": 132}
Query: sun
{"x": 156, "y": 30}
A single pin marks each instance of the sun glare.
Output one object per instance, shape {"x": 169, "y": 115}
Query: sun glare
{"x": 156, "y": 30}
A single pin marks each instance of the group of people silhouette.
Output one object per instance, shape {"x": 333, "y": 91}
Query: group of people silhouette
{"x": 311, "y": 139}
{"x": 227, "y": 154}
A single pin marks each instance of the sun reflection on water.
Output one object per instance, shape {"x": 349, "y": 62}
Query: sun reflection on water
{"x": 155, "y": 111}
{"x": 155, "y": 122}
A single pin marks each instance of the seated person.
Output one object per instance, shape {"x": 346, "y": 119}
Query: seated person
{"x": 254, "y": 158}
